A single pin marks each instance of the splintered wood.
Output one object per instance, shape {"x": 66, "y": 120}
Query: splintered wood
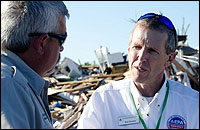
{"x": 67, "y": 99}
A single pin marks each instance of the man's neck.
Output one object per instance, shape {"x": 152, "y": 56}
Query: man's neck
{"x": 149, "y": 90}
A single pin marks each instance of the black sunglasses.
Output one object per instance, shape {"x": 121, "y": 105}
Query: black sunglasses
{"x": 61, "y": 38}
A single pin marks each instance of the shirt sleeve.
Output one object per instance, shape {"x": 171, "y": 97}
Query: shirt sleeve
{"x": 16, "y": 110}
{"x": 93, "y": 114}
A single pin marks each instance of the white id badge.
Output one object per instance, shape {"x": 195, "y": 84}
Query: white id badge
{"x": 126, "y": 120}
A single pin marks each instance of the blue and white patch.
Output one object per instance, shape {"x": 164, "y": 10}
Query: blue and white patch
{"x": 176, "y": 122}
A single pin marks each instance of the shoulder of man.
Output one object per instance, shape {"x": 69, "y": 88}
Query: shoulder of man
{"x": 7, "y": 71}
{"x": 15, "y": 98}
{"x": 183, "y": 90}
{"x": 11, "y": 72}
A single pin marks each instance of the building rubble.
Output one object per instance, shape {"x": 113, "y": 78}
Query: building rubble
{"x": 67, "y": 99}
{"x": 71, "y": 85}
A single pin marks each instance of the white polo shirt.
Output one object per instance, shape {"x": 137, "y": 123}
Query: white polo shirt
{"x": 111, "y": 106}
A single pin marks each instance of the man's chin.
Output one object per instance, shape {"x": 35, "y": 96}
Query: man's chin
{"x": 51, "y": 71}
{"x": 138, "y": 79}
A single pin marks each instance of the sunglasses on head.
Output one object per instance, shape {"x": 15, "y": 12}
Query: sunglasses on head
{"x": 61, "y": 38}
{"x": 161, "y": 18}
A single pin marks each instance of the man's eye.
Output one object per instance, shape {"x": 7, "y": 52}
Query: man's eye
{"x": 153, "y": 51}
{"x": 137, "y": 47}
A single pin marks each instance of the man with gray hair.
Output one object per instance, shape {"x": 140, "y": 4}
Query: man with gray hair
{"x": 32, "y": 37}
{"x": 148, "y": 99}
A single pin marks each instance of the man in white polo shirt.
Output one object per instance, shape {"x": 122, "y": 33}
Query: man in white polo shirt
{"x": 148, "y": 100}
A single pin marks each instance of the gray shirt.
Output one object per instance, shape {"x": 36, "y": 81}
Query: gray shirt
{"x": 24, "y": 99}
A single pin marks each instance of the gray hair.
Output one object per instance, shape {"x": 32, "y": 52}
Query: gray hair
{"x": 155, "y": 24}
{"x": 19, "y": 18}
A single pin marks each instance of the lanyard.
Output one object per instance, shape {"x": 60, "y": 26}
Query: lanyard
{"x": 165, "y": 101}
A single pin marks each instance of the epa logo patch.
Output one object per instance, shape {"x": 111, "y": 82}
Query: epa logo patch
{"x": 176, "y": 122}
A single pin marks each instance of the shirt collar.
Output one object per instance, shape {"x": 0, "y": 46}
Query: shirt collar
{"x": 159, "y": 96}
{"x": 35, "y": 80}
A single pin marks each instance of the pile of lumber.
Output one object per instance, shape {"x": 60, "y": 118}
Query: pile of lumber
{"x": 67, "y": 99}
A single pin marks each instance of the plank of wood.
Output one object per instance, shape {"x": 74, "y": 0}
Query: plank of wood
{"x": 78, "y": 82}
{"x": 52, "y": 91}
{"x": 72, "y": 112}
{"x": 74, "y": 118}
{"x": 80, "y": 88}
{"x": 118, "y": 78}
{"x": 107, "y": 75}
{"x": 188, "y": 73}
{"x": 84, "y": 97}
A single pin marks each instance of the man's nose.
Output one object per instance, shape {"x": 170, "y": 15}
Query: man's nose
{"x": 142, "y": 55}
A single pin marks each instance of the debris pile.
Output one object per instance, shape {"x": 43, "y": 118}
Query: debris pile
{"x": 185, "y": 68}
{"x": 67, "y": 99}
{"x": 72, "y": 85}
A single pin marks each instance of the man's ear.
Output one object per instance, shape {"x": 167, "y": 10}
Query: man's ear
{"x": 171, "y": 58}
{"x": 39, "y": 43}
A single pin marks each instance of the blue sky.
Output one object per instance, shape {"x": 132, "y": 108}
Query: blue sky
{"x": 107, "y": 23}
